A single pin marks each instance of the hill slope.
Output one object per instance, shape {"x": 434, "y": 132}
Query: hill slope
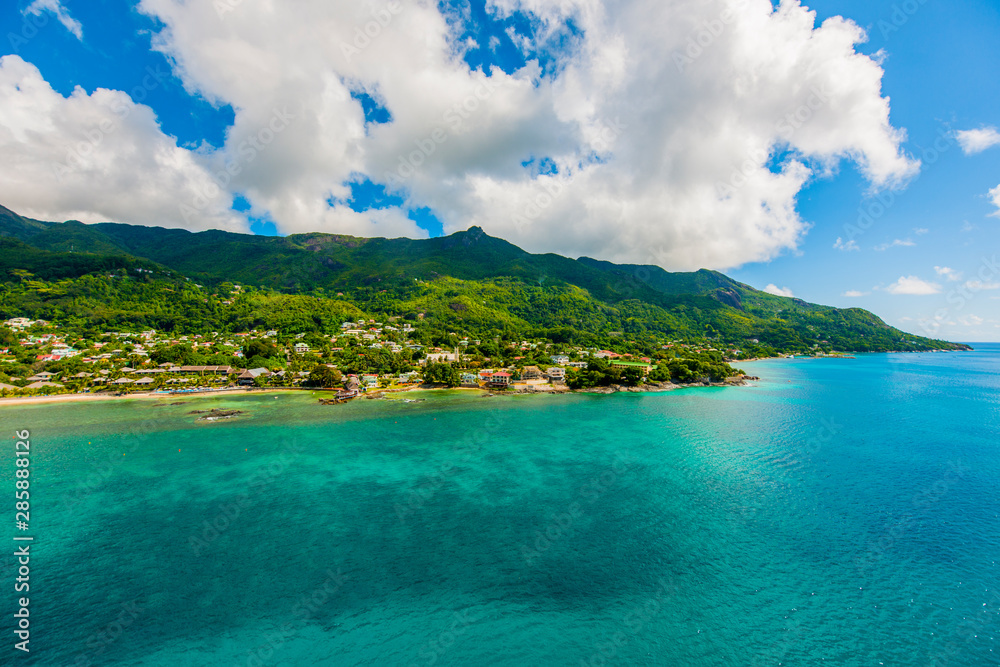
{"x": 468, "y": 281}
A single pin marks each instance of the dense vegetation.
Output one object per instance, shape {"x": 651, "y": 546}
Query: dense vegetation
{"x": 113, "y": 276}
{"x": 681, "y": 367}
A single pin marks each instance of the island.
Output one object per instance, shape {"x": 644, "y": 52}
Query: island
{"x": 119, "y": 310}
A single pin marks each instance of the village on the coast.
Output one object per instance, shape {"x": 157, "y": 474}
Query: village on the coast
{"x": 364, "y": 357}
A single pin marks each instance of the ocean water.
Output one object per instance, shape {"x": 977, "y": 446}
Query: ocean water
{"x": 840, "y": 512}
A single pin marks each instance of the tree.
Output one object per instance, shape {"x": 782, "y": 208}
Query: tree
{"x": 182, "y": 355}
{"x": 632, "y": 376}
{"x": 443, "y": 374}
{"x": 259, "y": 348}
{"x": 660, "y": 374}
{"x": 324, "y": 376}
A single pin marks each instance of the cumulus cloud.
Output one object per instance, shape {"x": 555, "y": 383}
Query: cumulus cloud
{"x": 976, "y": 141}
{"x": 94, "y": 158}
{"x": 995, "y": 198}
{"x": 981, "y": 285}
{"x": 839, "y": 244}
{"x": 661, "y": 120}
{"x": 62, "y": 15}
{"x": 853, "y": 293}
{"x": 662, "y": 154}
{"x": 948, "y": 273}
{"x": 778, "y": 291}
{"x": 898, "y": 243}
{"x": 914, "y": 286}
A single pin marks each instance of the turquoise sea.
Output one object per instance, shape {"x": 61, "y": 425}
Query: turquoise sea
{"x": 839, "y": 512}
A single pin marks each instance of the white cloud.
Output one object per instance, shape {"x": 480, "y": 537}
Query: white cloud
{"x": 61, "y": 14}
{"x": 94, "y": 158}
{"x": 853, "y": 293}
{"x": 994, "y": 195}
{"x": 948, "y": 273}
{"x": 663, "y": 152}
{"x": 971, "y": 320}
{"x": 920, "y": 231}
{"x": 913, "y": 285}
{"x": 846, "y": 247}
{"x": 778, "y": 291}
{"x": 898, "y": 243}
{"x": 667, "y": 136}
{"x": 981, "y": 286}
{"x": 976, "y": 141}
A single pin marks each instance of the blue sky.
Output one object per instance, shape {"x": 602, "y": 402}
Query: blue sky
{"x": 916, "y": 259}
{"x": 941, "y": 75}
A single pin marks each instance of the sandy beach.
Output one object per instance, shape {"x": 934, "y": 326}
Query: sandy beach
{"x": 529, "y": 389}
{"x": 73, "y": 398}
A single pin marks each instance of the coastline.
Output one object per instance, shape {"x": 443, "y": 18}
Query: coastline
{"x": 75, "y": 398}
{"x": 660, "y": 387}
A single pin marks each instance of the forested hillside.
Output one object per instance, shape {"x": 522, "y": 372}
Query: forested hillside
{"x": 120, "y": 276}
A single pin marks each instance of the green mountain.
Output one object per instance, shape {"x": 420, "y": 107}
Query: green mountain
{"x": 469, "y": 282}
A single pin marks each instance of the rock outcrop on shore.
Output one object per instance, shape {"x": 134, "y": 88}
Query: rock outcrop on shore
{"x": 666, "y": 386}
{"x": 652, "y": 387}
{"x": 216, "y": 414}
{"x": 642, "y": 388}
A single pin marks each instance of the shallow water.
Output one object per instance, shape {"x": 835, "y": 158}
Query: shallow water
{"x": 839, "y": 512}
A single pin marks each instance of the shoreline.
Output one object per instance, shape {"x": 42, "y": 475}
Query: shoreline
{"x": 77, "y": 398}
{"x": 383, "y": 394}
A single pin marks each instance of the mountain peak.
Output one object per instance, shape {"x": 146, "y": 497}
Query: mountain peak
{"x": 512, "y": 290}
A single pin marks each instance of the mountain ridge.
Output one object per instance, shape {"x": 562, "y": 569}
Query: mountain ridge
{"x": 467, "y": 279}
